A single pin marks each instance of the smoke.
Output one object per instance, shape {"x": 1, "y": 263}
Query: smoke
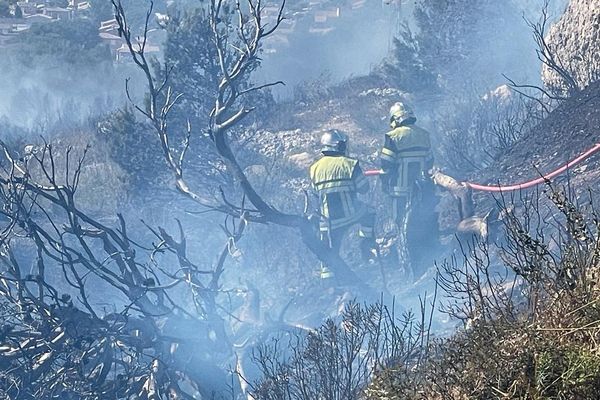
{"x": 40, "y": 96}
{"x": 349, "y": 44}
{"x": 357, "y": 40}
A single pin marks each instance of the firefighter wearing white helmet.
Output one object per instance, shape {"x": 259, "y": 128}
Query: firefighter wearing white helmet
{"x": 406, "y": 159}
{"x": 406, "y": 155}
{"x": 338, "y": 179}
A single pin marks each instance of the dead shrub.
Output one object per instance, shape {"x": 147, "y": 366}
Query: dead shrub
{"x": 530, "y": 325}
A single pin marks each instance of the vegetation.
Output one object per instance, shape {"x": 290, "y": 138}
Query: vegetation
{"x": 175, "y": 328}
{"x": 529, "y": 333}
{"x": 337, "y": 360}
{"x": 405, "y": 68}
{"x": 5, "y": 9}
{"x": 67, "y": 44}
{"x": 134, "y": 149}
{"x": 529, "y": 326}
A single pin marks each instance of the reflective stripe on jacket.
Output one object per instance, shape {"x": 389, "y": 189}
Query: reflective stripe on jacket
{"x": 406, "y": 154}
{"x": 337, "y": 179}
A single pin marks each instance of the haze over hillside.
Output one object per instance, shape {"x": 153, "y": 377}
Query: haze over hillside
{"x": 361, "y": 233}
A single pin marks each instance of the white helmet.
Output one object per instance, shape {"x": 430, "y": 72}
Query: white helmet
{"x": 401, "y": 112}
{"x": 334, "y": 141}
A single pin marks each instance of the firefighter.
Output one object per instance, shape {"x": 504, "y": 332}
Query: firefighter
{"x": 406, "y": 159}
{"x": 338, "y": 179}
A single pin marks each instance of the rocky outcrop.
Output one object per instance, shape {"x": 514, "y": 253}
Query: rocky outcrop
{"x": 575, "y": 40}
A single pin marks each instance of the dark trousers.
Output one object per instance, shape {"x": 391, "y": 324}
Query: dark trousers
{"x": 333, "y": 238}
{"x": 416, "y": 219}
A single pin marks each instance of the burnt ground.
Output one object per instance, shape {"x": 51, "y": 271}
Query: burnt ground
{"x": 288, "y": 141}
{"x": 567, "y": 132}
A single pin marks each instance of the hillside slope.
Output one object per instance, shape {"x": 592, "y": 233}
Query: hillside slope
{"x": 568, "y": 131}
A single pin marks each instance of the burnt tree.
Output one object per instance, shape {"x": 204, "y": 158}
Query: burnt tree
{"x": 238, "y": 30}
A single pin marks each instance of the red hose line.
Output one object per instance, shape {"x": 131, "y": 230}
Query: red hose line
{"x": 373, "y": 172}
{"x": 520, "y": 186}
{"x": 538, "y": 181}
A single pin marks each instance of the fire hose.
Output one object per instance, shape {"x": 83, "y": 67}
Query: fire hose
{"x": 520, "y": 186}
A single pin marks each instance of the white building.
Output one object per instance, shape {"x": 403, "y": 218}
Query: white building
{"x": 30, "y": 7}
{"x": 63, "y": 14}
{"x": 39, "y": 18}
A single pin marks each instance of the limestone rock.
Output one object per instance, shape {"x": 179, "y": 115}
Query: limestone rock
{"x": 575, "y": 39}
{"x": 302, "y": 160}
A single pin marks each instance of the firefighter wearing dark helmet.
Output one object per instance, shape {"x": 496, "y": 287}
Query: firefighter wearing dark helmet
{"x": 406, "y": 159}
{"x": 338, "y": 179}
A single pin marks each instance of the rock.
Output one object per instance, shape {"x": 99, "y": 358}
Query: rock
{"x": 301, "y": 160}
{"x": 473, "y": 226}
{"x": 575, "y": 40}
{"x": 256, "y": 173}
{"x": 385, "y": 92}
{"x": 502, "y": 94}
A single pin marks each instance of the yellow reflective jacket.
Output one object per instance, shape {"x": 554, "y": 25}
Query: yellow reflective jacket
{"x": 405, "y": 156}
{"x": 337, "y": 179}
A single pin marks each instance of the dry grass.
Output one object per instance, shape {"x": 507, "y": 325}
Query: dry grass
{"x": 530, "y": 334}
